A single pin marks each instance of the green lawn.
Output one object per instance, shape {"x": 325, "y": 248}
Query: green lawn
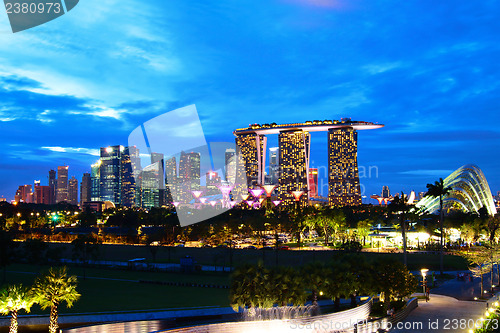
{"x": 115, "y": 295}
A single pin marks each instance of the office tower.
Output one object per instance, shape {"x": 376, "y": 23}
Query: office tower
{"x": 385, "y": 192}
{"x": 53, "y": 186}
{"x": 62, "y": 184}
{"x": 43, "y": 194}
{"x": 151, "y": 184}
{"x": 73, "y": 191}
{"x": 110, "y": 174}
{"x": 213, "y": 181}
{"x": 252, "y": 147}
{"x": 274, "y": 165}
{"x": 343, "y": 178}
{"x": 23, "y": 194}
{"x": 95, "y": 181}
{"x": 189, "y": 175}
{"x": 294, "y": 165}
{"x": 128, "y": 183}
{"x": 230, "y": 166}
{"x": 313, "y": 183}
{"x": 85, "y": 189}
{"x": 171, "y": 180}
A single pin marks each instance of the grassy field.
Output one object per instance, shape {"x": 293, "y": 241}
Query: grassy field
{"x": 117, "y": 294}
{"x": 222, "y": 256}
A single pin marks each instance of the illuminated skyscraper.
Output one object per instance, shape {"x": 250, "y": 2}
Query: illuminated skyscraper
{"x": 85, "y": 189}
{"x": 152, "y": 182}
{"x": 128, "y": 183}
{"x": 386, "y": 193}
{"x": 23, "y": 194}
{"x": 252, "y": 147}
{"x": 171, "y": 180}
{"x": 313, "y": 183}
{"x": 53, "y": 186}
{"x": 43, "y": 194}
{"x": 110, "y": 174}
{"x": 73, "y": 191}
{"x": 213, "y": 181}
{"x": 343, "y": 179}
{"x": 95, "y": 182}
{"x": 62, "y": 184}
{"x": 189, "y": 175}
{"x": 230, "y": 165}
{"x": 274, "y": 165}
{"x": 294, "y": 165}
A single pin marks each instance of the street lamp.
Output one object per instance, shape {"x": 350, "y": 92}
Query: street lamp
{"x": 424, "y": 281}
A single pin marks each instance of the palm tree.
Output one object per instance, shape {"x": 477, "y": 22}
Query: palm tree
{"x": 54, "y": 288}
{"x": 14, "y": 298}
{"x": 438, "y": 190}
{"x": 401, "y": 206}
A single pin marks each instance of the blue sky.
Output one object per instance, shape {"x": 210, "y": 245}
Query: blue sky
{"x": 428, "y": 70}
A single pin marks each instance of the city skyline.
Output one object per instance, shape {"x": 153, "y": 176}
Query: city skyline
{"x": 432, "y": 81}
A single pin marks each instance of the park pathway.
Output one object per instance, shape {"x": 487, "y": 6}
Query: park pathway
{"x": 442, "y": 314}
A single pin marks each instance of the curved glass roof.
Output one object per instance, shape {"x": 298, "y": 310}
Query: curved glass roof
{"x": 470, "y": 192}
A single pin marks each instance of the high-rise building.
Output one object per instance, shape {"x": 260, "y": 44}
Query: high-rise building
{"x": 85, "y": 189}
{"x": 110, "y": 174}
{"x": 252, "y": 147}
{"x": 213, "y": 181}
{"x": 189, "y": 175}
{"x": 274, "y": 162}
{"x": 151, "y": 185}
{"x": 294, "y": 165}
{"x": 230, "y": 166}
{"x": 43, "y": 194}
{"x": 171, "y": 180}
{"x": 73, "y": 191}
{"x": 313, "y": 183}
{"x": 343, "y": 177}
{"x": 62, "y": 184}
{"x": 23, "y": 194}
{"x": 386, "y": 193}
{"x": 95, "y": 181}
{"x": 53, "y": 186}
{"x": 128, "y": 183}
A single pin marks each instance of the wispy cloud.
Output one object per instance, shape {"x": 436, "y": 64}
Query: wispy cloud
{"x": 73, "y": 150}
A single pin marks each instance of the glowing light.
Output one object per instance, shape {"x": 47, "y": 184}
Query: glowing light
{"x": 196, "y": 194}
{"x": 276, "y": 202}
{"x": 233, "y": 203}
{"x": 475, "y": 298}
{"x": 225, "y": 190}
{"x": 260, "y": 200}
{"x": 203, "y": 200}
{"x": 109, "y": 150}
{"x": 175, "y": 203}
{"x": 249, "y": 203}
{"x": 256, "y": 192}
{"x": 297, "y": 194}
{"x": 424, "y": 271}
{"x": 212, "y": 203}
{"x": 496, "y": 304}
{"x": 244, "y": 196}
{"x": 321, "y": 293}
{"x": 269, "y": 189}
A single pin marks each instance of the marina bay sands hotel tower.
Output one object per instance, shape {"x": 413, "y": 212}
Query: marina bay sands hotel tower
{"x": 294, "y": 151}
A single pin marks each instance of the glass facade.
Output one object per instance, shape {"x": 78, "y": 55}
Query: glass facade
{"x": 343, "y": 177}
{"x": 294, "y": 148}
